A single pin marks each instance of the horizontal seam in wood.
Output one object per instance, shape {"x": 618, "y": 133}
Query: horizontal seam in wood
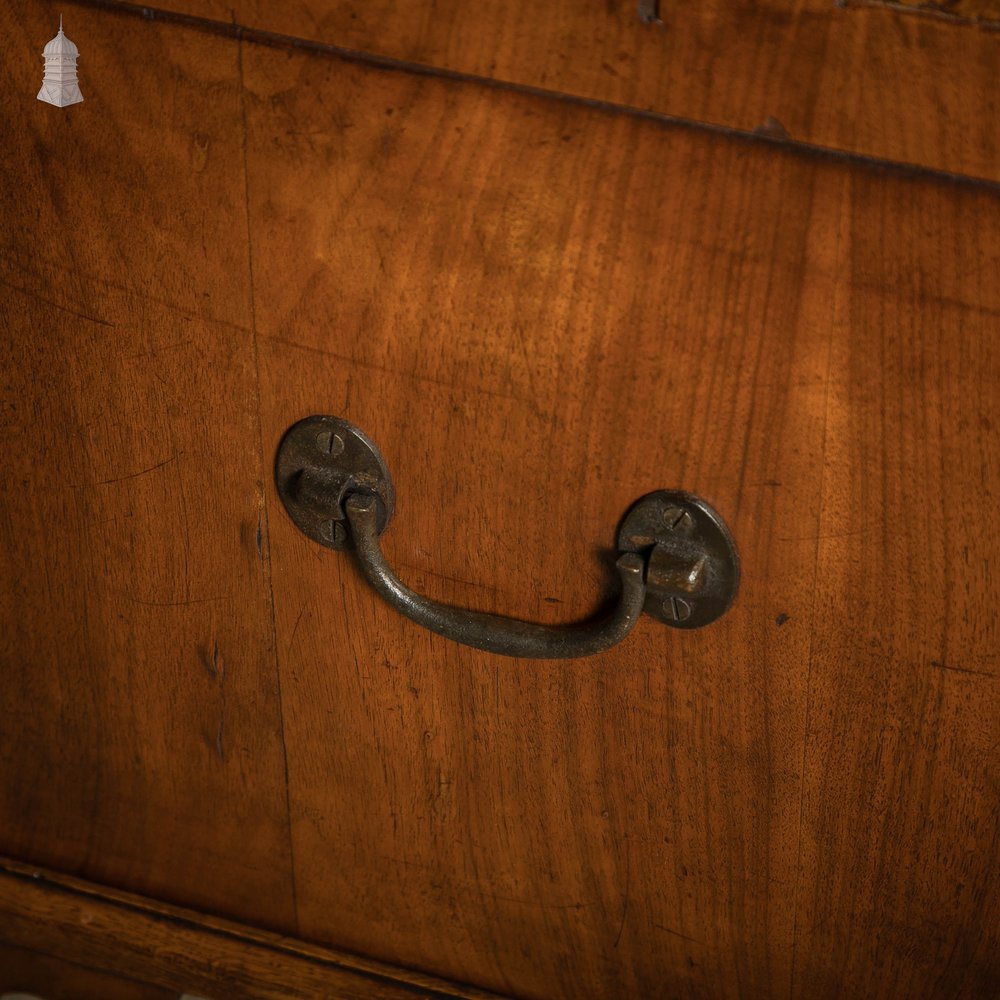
{"x": 952, "y": 20}
{"x": 46, "y": 881}
{"x": 92, "y": 969}
{"x": 273, "y": 39}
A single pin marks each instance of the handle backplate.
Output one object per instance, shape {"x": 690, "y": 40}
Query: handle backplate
{"x": 321, "y": 461}
{"x": 692, "y": 568}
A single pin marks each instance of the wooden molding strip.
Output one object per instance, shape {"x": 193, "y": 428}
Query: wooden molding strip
{"x": 127, "y": 935}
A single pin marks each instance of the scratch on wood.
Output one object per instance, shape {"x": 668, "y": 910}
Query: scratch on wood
{"x": 295, "y": 627}
{"x": 131, "y": 475}
{"x": 399, "y": 373}
{"x": 157, "y": 351}
{"x": 541, "y": 903}
{"x": 207, "y": 662}
{"x": 186, "y": 548}
{"x": 57, "y": 305}
{"x": 219, "y": 673}
{"x": 962, "y": 670}
{"x": 170, "y": 604}
{"x": 628, "y": 881}
{"x": 670, "y": 930}
{"x": 451, "y": 579}
{"x": 218, "y": 664}
{"x": 831, "y": 537}
{"x": 123, "y": 289}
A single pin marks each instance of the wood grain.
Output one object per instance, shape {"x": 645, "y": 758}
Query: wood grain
{"x": 900, "y": 802}
{"x": 540, "y": 313}
{"x": 113, "y": 944}
{"x": 987, "y": 11}
{"x": 867, "y": 79}
{"x": 23, "y": 970}
{"x": 141, "y": 742}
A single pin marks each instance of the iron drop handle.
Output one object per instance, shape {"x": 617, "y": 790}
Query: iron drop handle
{"x": 493, "y": 632}
{"x": 677, "y": 559}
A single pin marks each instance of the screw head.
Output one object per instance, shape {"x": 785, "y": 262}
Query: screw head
{"x": 692, "y": 569}
{"x": 329, "y": 443}
{"x": 676, "y": 609}
{"x": 319, "y": 459}
{"x": 333, "y": 531}
{"x": 676, "y": 518}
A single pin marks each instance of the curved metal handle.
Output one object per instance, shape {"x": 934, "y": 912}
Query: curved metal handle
{"x": 677, "y": 559}
{"x": 494, "y": 633}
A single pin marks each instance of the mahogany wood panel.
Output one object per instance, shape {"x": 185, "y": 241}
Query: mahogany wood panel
{"x": 868, "y": 79}
{"x": 540, "y": 312}
{"x": 141, "y": 736}
{"x": 114, "y": 945}
{"x": 901, "y": 799}
{"x": 23, "y": 970}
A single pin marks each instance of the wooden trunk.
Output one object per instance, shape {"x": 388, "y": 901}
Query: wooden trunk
{"x": 543, "y": 290}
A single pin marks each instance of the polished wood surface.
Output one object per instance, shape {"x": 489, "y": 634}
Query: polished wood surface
{"x": 878, "y": 80}
{"x": 539, "y": 311}
{"x": 61, "y": 937}
{"x": 142, "y": 736}
{"x": 26, "y": 970}
{"x": 539, "y": 314}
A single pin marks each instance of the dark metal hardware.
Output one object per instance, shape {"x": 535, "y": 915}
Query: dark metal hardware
{"x": 649, "y": 12}
{"x": 321, "y": 461}
{"x": 677, "y": 560}
{"x": 692, "y": 569}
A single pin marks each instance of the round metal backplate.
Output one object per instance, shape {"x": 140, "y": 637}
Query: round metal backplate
{"x": 320, "y": 460}
{"x": 692, "y": 568}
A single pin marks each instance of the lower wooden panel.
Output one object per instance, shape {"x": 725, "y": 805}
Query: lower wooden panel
{"x": 27, "y": 970}
{"x": 78, "y": 940}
